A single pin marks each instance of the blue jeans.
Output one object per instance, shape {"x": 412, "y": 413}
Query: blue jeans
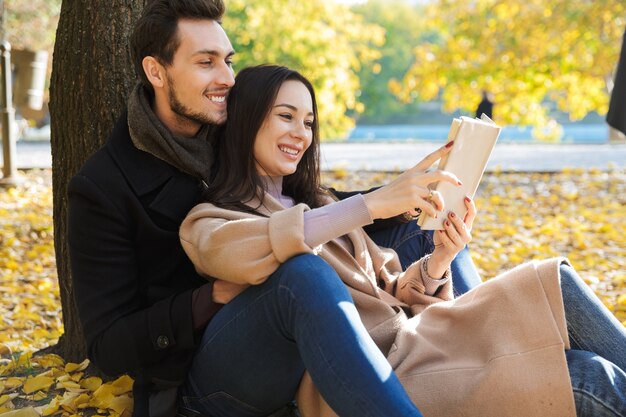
{"x": 302, "y": 317}
{"x": 411, "y": 243}
{"x": 597, "y": 360}
{"x": 256, "y": 348}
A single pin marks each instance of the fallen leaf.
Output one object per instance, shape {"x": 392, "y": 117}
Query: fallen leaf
{"x": 37, "y": 383}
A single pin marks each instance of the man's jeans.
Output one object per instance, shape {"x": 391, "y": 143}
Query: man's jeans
{"x": 256, "y": 348}
{"x": 597, "y": 360}
{"x": 411, "y": 243}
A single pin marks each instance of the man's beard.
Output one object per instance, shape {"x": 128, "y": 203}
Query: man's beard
{"x": 186, "y": 115}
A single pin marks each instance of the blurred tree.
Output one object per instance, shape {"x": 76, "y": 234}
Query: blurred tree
{"x": 323, "y": 39}
{"x": 404, "y": 28}
{"x": 525, "y": 52}
{"x": 92, "y": 76}
{"x": 30, "y": 24}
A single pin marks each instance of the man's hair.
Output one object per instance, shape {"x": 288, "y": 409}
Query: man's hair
{"x": 156, "y": 31}
{"x": 236, "y": 180}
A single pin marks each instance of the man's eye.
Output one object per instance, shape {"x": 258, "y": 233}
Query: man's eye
{"x": 207, "y": 63}
{"x": 230, "y": 63}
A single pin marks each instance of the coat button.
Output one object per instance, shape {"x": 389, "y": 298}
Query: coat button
{"x": 163, "y": 342}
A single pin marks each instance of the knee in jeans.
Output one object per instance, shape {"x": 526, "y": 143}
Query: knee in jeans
{"x": 310, "y": 273}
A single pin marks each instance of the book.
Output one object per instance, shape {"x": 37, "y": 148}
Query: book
{"x": 474, "y": 140}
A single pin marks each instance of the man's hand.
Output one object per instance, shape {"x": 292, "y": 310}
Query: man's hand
{"x": 224, "y": 291}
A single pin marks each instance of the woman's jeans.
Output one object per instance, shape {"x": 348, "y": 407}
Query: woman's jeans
{"x": 256, "y": 348}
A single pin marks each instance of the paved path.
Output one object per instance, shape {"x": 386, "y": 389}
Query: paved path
{"x": 401, "y": 155}
{"x": 507, "y": 157}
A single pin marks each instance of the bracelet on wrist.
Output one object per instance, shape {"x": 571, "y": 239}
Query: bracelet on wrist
{"x": 425, "y": 273}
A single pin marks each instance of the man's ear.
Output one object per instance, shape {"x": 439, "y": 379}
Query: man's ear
{"x": 154, "y": 71}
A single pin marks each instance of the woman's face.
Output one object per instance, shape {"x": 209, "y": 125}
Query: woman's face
{"x": 286, "y": 132}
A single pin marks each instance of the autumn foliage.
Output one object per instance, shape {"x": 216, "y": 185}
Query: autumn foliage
{"x": 576, "y": 213}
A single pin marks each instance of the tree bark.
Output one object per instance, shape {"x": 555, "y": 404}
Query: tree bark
{"x": 92, "y": 75}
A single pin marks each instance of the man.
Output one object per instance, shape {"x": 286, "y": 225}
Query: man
{"x": 616, "y": 117}
{"x": 142, "y": 306}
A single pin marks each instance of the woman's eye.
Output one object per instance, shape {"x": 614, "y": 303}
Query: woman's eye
{"x": 286, "y": 116}
{"x": 309, "y": 124}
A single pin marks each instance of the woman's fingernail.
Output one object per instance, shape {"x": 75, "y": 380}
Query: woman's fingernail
{"x": 459, "y": 182}
{"x": 468, "y": 199}
{"x": 447, "y": 223}
{"x": 452, "y": 214}
{"x": 449, "y": 144}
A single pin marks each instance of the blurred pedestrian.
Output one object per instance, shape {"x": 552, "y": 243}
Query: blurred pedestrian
{"x": 485, "y": 106}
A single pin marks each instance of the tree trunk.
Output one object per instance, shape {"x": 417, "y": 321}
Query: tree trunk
{"x": 92, "y": 75}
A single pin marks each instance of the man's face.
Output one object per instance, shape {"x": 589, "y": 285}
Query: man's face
{"x": 201, "y": 74}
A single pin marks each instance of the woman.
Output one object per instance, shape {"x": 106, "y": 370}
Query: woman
{"x": 499, "y": 350}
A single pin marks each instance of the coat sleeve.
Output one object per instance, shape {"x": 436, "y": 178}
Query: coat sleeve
{"x": 123, "y": 334}
{"x": 239, "y": 247}
{"x": 407, "y": 286}
{"x": 378, "y": 224}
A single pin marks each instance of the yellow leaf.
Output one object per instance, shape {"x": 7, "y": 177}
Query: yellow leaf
{"x": 12, "y": 382}
{"x": 102, "y": 396}
{"x": 73, "y": 367}
{"x": 38, "y": 396}
{"x": 22, "y": 412}
{"x": 52, "y": 407}
{"x": 91, "y": 383}
{"x": 82, "y": 401}
{"x": 121, "y": 403}
{"x": 49, "y": 361}
{"x": 68, "y": 385}
{"x": 67, "y": 403}
{"x": 4, "y": 349}
{"x": 37, "y": 383}
{"x": 122, "y": 385}
{"x": 5, "y": 398}
{"x": 619, "y": 281}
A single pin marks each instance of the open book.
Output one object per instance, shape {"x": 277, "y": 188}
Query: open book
{"x": 474, "y": 140}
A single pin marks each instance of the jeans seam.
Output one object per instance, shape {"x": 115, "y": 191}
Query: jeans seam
{"x": 599, "y": 401}
{"x": 234, "y": 317}
{"x": 410, "y": 236}
{"x": 577, "y": 339}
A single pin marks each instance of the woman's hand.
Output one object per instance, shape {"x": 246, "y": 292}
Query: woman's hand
{"x": 409, "y": 192}
{"x": 451, "y": 240}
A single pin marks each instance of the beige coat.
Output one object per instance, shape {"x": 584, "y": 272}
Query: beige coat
{"x": 497, "y": 351}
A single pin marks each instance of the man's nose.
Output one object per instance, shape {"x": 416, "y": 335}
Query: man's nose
{"x": 226, "y": 75}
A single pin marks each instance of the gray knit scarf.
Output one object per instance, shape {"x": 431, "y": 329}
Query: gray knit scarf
{"x": 191, "y": 155}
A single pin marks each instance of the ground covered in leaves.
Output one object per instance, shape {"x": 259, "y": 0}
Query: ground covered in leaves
{"x": 577, "y": 213}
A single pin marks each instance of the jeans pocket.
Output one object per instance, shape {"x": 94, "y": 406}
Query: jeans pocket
{"x": 222, "y": 404}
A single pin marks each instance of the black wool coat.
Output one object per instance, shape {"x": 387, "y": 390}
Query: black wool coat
{"x": 132, "y": 280}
